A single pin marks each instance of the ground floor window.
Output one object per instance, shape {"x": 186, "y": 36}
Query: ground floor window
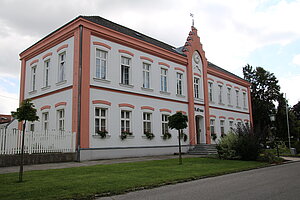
{"x": 164, "y": 123}
{"x": 100, "y": 119}
{"x": 125, "y": 121}
{"x": 147, "y": 122}
{"x": 222, "y": 127}
{"x": 212, "y": 126}
{"x": 231, "y": 125}
{"x": 61, "y": 119}
{"x": 45, "y": 121}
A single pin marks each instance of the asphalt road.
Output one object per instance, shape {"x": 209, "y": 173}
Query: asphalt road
{"x": 276, "y": 182}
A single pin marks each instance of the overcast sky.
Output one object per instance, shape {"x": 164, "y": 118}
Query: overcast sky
{"x": 262, "y": 33}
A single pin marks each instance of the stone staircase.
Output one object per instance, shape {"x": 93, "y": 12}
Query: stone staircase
{"x": 203, "y": 149}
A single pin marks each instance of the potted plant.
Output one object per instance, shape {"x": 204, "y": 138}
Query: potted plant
{"x": 167, "y": 135}
{"x": 124, "y": 134}
{"x": 149, "y": 135}
{"x": 102, "y": 133}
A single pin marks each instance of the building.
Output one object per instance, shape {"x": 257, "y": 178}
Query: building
{"x": 92, "y": 74}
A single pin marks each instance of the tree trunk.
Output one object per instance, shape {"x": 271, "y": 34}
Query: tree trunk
{"x": 22, "y": 154}
{"x": 179, "y": 138}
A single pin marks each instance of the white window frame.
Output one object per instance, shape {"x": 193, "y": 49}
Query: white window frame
{"x": 212, "y": 123}
{"x": 125, "y": 66}
{"x": 33, "y": 77}
{"x": 237, "y": 93}
{"x": 45, "y": 122}
{"x": 46, "y": 72}
{"x": 61, "y": 119}
{"x": 101, "y": 60}
{"x": 126, "y": 121}
{"x": 101, "y": 125}
{"x": 210, "y": 91}
{"x": 231, "y": 125}
{"x": 229, "y": 95}
{"x": 146, "y": 75}
{"x": 62, "y": 66}
{"x": 163, "y": 79}
{"x": 222, "y": 126}
{"x": 196, "y": 87}
{"x": 147, "y": 122}
{"x": 164, "y": 123}
{"x": 220, "y": 94}
{"x": 179, "y": 83}
{"x": 244, "y": 99}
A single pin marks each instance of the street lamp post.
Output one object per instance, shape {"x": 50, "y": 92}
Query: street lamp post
{"x": 287, "y": 121}
{"x": 272, "y": 119}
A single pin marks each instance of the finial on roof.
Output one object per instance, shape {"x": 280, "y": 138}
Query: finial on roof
{"x": 192, "y": 15}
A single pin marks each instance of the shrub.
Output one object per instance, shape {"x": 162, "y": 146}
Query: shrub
{"x": 102, "y": 133}
{"x": 269, "y": 157}
{"x": 241, "y": 144}
{"x": 296, "y": 145}
{"x": 167, "y": 135}
{"x": 149, "y": 135}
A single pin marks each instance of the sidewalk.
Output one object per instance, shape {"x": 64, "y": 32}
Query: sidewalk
{"x": 5, "y": 170}
{"x": 294, "y": 159}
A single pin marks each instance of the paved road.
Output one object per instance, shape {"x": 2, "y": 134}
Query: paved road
{"x": 278, "y": 182}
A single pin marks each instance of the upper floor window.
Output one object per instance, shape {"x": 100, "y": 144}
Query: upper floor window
{"x": 146, "y": 75}
{"x": 229, "y": 95}
{"x": 100, "y": 119}
{"x": 61, "y": 119}
{"x": 125, "y": 121}
{"x": 147, "y": 122}
{"x": 196, "y": 87}
{"x": 244, "y": 99}
{"x": 46, "y": 72}
{"x": 210, "y": 91}
{"x": 125, "y": 70}
{"x": 33, "y": 78}
{"x": 164, "y": 123}
{"x": 101, "y": 64}
{"x": 237, "y": 98}
{"x": 62, "y": 67}
{"x": 179, "y": 83}
{"x": 45, "y": 121}
{"x": 163, "y": 79}
{"x": 220, "y": 94}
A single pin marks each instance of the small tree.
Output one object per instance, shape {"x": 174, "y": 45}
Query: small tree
{"x": 179, "y": 122}
{"x": 26, "y": 112}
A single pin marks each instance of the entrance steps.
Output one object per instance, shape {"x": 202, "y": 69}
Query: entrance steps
{"x": 203, "y": 149}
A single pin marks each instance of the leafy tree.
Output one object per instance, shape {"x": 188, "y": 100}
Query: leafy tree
{"x": 178, "y": 121}
{"x": 26, "y": 112}
{"x": 264, "y": 92}
{"x": 296, "y": 110}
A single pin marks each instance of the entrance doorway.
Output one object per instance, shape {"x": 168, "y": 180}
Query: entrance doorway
{"x": 199, "y": 129}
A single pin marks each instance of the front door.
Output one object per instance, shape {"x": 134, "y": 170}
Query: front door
{"x": 198, "y": 129}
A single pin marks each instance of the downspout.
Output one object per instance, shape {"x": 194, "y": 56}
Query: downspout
{"x": 79, "y": 94}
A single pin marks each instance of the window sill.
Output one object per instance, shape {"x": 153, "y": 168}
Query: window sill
{"x": 199, "y": 99}
{"x": 231, "y": 106}
{"x": 165, "y": 93}
{"x": 128, "y": 137}
{"x": 32, "y": 92}
{"x": 125, "y": 85}
{"x": 147, "y": 89}
{"x": 46, "y": 87}
{"x": 145, "y": 137}
{"x": 222, "y": 104}
{"x": 99, "y": 137}
{"x": 180, "y": 95}
{"x": 238, "y": 107}
{"x": 101, "y": 80}
{"x": 245, "y": 108}
{"x": 61, "y": 82}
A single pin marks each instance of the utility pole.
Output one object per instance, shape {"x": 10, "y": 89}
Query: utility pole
{"x": 287, "y": 121}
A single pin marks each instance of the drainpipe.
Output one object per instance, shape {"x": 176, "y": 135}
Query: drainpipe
{"x": 79, "y": 94}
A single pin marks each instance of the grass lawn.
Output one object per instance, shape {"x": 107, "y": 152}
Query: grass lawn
{"x": 85, "y": 182}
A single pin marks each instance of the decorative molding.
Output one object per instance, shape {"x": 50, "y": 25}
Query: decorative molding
{"x": 213, "y": 116}
{"x": 147, "y": 108}
{"x": 60, "y": 104}
{"x": 236, "y": 87}
{"x": 34, "y": 61}
{"x": 239, "y": 119}
{"x": 165, "y": 110}
{"x": 165, "y": 64}
{"x": 126, "y": 105}
{"x": 146, "y": 58}
{"x": 45, "y": 107}
{"x": 196, "y": 74}
{"x": 46, "y": 55}
{"x": 210, "y": 79}
{"x": 230, "y": 118}
{"x": 101, "y": 102}
{"x": 62, "y": 47}
{"x": 126, "y": 52}
{"x": 102, "y": 44}
{"x": 222, "y": 117}
{"x": 228, "y": 85}
{"x": 178, "y": 68}
{"x": 220, "y": 82}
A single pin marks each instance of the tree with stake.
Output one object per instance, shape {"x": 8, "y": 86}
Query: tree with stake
{"x": 26, "y": 112}
{"x": 179, "y": 122}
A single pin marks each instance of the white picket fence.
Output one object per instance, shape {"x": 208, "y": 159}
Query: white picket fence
{"x": 36, "y": 142}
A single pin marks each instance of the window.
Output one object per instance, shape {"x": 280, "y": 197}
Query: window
{"x": 229, "y": 96}
{"x": 33, "y": 78}
{"x": 146, "y": 75}
{"x": 31, "y": 127}
{"x": 125, "y": 69}
{"x": 45, "y": 121}
{"x": 222, "y": 122}
{"x": 220, "y": 94}
{"x": 210, "y": 91}
{"x": 101, "y": 64}
{"x": 61, "y": 68}
{"x": 196, "y": 87}
{"x": 125, "y": 121}
{"x": 147, "y": 122}
{"x": 237, "y": 98}
{"x": 239, "y": 124}
{"x": 100, "y": 119}
{"x": 244, "y": 99}
{"x": 61, "y": 120}
{"x": 164, "y": 123}
{"x": 212, "y": 126}
{"x": 163, "y": 79}
{"x": 46, "y": 73}
{"x": 231, "y": 125}
{"x": 179, "y": 83}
